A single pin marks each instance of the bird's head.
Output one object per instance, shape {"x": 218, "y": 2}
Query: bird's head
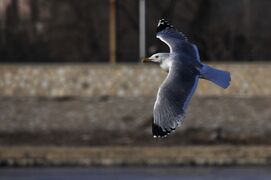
{"x": 156, "y": 58}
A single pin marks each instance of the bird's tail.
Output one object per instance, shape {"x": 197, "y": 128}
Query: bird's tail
{"x": 219, "y": 77}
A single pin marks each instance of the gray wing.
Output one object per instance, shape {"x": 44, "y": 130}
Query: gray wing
{"x": 177, "y": 41}
{"x": 172, "y": 99}
{"x": 169, "y": 35}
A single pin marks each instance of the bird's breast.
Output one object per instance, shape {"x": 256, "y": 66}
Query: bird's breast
{"x": 165, "y": 65}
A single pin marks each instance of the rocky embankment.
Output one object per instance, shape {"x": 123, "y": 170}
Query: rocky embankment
{"x": 101, "y": 115}
{"x": 127, "y": 121}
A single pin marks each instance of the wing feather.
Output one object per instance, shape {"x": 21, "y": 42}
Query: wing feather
{"x": 172, "y": 99}
{"x": 177, "y": 41}
{"x": 169, "y": 35}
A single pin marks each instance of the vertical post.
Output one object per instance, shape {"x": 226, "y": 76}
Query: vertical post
{"x": 3, "y": 20}
{"x": 142, "y": 28}
{"x": 112, "y": 31}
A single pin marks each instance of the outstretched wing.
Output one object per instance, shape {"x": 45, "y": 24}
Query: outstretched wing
{"x": 178, "y": 43}
{"x": 172, "y": 99}
{"x": 169, "y": 35}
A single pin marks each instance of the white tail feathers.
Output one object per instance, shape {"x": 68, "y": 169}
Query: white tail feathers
{"x": 219, "y": 77}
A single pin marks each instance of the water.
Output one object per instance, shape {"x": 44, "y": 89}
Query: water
{"x": 181, "y": 173}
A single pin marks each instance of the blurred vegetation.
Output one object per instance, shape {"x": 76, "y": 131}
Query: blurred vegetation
{"x": 77, "y": 31}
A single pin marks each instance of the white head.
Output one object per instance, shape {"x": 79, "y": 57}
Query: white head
{"x": 156, "y": 58}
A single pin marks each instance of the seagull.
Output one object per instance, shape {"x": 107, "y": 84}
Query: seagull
{"x": 184, "y": 69}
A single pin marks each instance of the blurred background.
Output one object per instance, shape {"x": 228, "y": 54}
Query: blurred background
{"x": 70, "y": 31}
{"x": 73, "y": 92}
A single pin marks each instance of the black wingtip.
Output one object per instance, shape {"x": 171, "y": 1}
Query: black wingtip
{"x": 163, "y": 24}
{"x": 157, "y": 131}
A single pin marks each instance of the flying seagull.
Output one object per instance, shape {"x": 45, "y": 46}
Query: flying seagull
{"x": 184, "y": 70}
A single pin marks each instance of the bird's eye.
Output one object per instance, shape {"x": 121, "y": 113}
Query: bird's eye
{"x": 156, "y": 56}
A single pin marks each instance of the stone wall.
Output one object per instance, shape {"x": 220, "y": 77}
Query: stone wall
{"x": 102, "y": 104}
{"x": 248, "y": 79}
